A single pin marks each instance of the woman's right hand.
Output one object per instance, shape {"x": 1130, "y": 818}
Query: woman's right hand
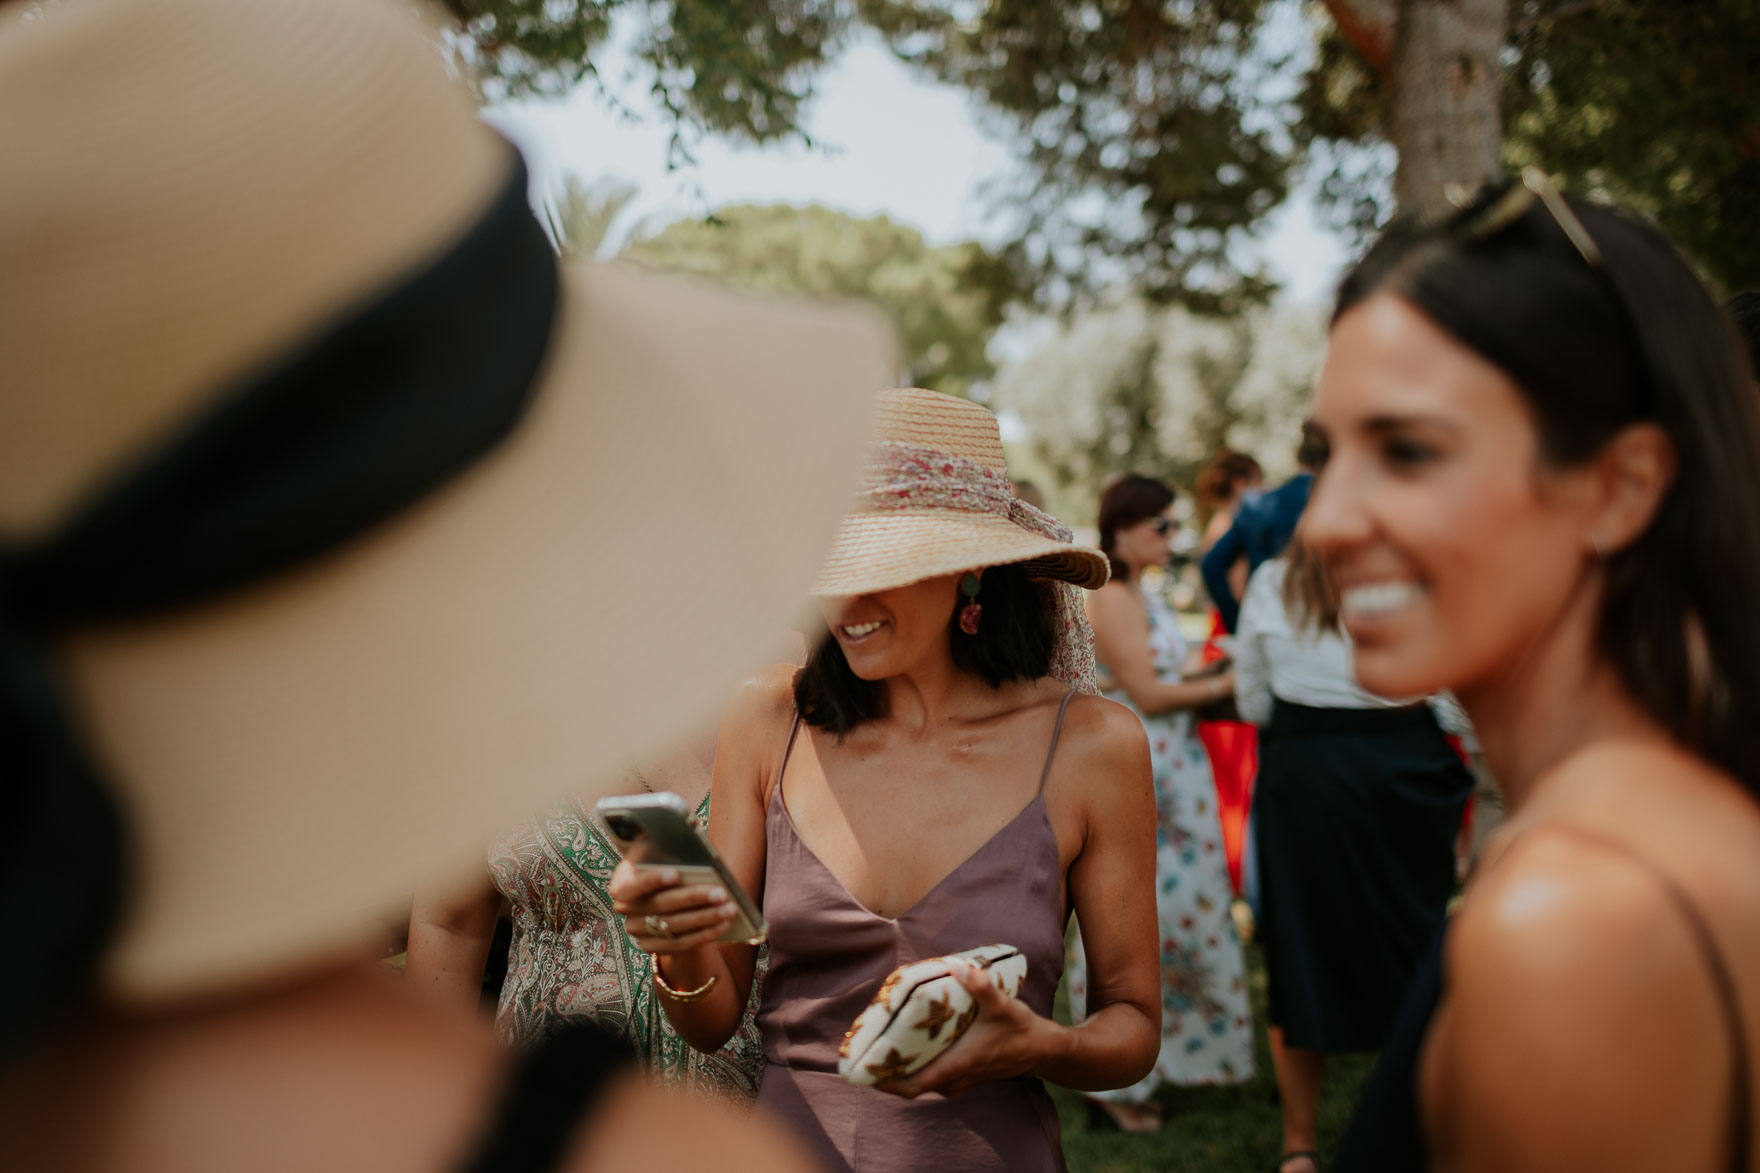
{"x": 663, "y": 915}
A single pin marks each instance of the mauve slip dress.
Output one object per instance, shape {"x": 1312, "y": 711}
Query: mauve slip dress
{"x": 829, "y": 954}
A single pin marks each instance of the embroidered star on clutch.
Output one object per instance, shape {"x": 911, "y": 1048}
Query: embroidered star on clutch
{"x": 920, "y": 1011}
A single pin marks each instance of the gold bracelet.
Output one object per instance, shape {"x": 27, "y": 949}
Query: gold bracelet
{"x": 696, "y": 995}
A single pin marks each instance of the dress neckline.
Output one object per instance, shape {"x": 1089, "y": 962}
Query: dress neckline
{"x": 776, "y": 798}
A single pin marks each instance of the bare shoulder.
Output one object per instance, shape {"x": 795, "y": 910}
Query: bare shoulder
{"x": 1566, "y": 960}
{"x": 762, "y": 705}
{"x": 1555, "y": 903}
{"x": 766, "y": 695}
{"x": 754, "y": 728}
{"x": 1103, "y": 746}
{"x": 1114, "y": 597}
{"x": 1100, "y": 724}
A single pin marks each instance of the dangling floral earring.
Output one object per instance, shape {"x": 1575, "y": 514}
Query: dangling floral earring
{"x": 971, "y": 612}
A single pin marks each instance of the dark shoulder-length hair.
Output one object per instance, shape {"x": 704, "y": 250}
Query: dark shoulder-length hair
{"x": 1594, "y": 347}
{"x": 1014, "y": 642}
{"x": 1128, "y": 500}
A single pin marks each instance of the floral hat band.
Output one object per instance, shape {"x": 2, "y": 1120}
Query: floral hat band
{"x": 911, "y": 476}
{"x": 936, "y": 500}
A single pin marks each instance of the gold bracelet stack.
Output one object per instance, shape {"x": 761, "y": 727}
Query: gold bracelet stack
{"x": 696, "y": 995}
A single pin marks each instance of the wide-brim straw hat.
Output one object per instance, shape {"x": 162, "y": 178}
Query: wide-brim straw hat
{"x": 937, "y": 501}
{"x": 191, "y": 189}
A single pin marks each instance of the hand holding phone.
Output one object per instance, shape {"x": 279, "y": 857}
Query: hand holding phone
{"x": 673, "y": 887}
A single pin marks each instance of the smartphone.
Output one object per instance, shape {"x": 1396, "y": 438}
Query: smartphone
{"x": 655, "y": 831}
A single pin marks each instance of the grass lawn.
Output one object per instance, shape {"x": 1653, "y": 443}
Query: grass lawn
{"x": 1213, "y": 1129}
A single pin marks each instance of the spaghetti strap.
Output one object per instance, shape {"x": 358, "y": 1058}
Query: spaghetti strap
{"x": 1056, "y": 732}
{"x": 1741, "y": 1129}
{"x": 776, "y": 784}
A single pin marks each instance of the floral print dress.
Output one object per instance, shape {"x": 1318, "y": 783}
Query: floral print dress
{"x": 1206, "y": 1021}
{"x": 571, "y": 959}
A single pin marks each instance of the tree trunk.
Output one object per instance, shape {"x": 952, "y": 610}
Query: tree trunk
{"x": 1445, "y": 82}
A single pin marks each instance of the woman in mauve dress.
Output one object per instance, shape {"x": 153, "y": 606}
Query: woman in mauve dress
{"x": 936, "y": 778}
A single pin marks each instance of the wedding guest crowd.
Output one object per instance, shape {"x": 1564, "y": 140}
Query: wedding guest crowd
{"x": 338, "y": 540}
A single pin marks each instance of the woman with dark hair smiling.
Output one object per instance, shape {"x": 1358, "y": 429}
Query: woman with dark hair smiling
{"x": 1206, "y": 1024}
{"x": 933, "y": 780}
{"x": 1542, "y": 456}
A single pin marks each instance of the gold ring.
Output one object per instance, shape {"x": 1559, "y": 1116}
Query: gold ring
{"x": 658, "y": 926}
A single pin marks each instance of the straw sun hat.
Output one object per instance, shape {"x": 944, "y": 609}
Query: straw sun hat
{"x": 337, "y": 525}
{"x": 936, "y": 500}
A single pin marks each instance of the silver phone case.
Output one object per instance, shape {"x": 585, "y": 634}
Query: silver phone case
{"x": 668, "y": 839}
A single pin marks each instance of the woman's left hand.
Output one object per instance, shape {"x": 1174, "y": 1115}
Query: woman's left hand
{"x": 1006, "y": 1040}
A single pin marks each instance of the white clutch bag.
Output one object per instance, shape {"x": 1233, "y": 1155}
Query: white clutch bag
{"x": 920, "y": 1011}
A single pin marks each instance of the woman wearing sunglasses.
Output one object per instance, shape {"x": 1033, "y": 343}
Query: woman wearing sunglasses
{"x": 1206, "y": 1025}
{"x": 1543, "y": 458}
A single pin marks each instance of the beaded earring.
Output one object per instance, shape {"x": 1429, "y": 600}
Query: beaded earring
{"x": 971, "y": 612}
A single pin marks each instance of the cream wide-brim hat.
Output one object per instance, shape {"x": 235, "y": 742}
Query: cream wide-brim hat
{"x": 191, "y": 187}
{"x": 879, "y": 547}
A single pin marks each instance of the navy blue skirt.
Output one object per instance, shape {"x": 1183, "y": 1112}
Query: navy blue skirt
{"x": 1356, "y": 813}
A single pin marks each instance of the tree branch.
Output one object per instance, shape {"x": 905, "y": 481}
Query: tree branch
{"x": 1369, "y": 26}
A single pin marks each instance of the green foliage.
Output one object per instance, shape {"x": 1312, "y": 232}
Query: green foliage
{"x": 734, "y": 67}
{"x": 946, "y": 301}
{"x": 1156, "y": 134}
{"x": 1157, "y": 390}
{"x": 1652, "y": 103}
{"x": 1145, "y": 130}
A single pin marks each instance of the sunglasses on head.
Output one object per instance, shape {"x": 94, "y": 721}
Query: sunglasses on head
{"x": 1499, "y": 205}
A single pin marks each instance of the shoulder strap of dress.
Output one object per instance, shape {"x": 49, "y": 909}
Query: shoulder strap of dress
{"x": 1741, "y": 1130}
{"x": 550, "y": 1093}
{"x": 1056, "y": 732}
{"x": 776, "y": 783}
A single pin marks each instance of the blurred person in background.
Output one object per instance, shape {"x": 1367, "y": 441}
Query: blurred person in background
{"x": 1261, "y": 530}
{"x": 1355, "y": 814}
{"x": 1029, "y": 492}
{"x": 1206, "y": 1024}
{"x": 309, "y": 453}
{"x": 937, "y": 777}
{"x": 1231, "y": 480}
{"x": 569, "y": 958}
{"x": 1543, "y": 446}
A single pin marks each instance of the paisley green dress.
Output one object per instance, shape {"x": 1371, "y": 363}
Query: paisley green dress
{"x": 571, "y": 959}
